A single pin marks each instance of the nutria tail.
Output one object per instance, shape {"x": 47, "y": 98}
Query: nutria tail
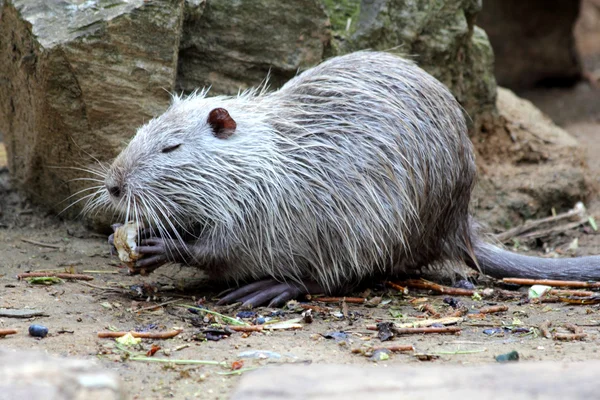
{"x": 500, "y": 263}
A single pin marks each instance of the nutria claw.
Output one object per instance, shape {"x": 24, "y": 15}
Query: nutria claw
{"x": 156, "y": 248}
{"x": 275, "y": 293}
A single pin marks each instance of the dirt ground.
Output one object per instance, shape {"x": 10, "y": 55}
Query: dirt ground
{"x": 76, "y": 311}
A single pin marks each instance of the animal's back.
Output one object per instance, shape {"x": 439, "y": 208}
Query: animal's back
{"x": 379, "y": 171}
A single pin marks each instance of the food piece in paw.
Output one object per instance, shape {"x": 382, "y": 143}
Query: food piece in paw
{"x": 125, "y": 240}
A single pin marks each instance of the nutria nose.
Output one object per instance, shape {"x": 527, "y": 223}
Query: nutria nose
{"x": 114, "y": 190}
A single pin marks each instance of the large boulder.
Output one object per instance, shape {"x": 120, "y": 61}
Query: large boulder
{"x": 231, "y": 45}
{"x": 441, "y": 37}
{"x": 76, "y": 82}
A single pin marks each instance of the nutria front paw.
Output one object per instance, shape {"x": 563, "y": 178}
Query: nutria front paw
{"x": 275, "y": 293}
{"x": 155, "y": 253}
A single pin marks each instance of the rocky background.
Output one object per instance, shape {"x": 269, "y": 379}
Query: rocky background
{"x": 77, "y": 78}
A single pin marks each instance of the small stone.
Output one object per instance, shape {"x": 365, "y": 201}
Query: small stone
{"x": 38, "y": 331}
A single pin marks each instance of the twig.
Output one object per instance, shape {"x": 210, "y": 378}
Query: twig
{"x": 107, "y": 288}
{"x": 249, "y": 328}
{"x": 408, "y": 331}
{"x": 55, "y": 275}
{"x": 394, "y": 348}
{"x": 493, "y": 309}
{"x": 93, "y": 271}
{"x": 400, "y": 288}
{"x": 580, "y": 300}
{"x": 355, "y": 300}
{"x": 545, "y": 329}
{"x": 445, "y": 329}
{"x": 179, "y": 362}
{"x": 423, "y": 284}
{"x": 459, "y": 312}
{"x": 550, "y": 282}
{"x": 578, "y": 211}
{"x": 143, "y": 335}
{"x": 225, "y": 318}
{"x": 5, "y": 332}
{"x": 269, "y": 326}
{"x": 567, "y": 292}
{"x": 428, "y": 308}
{"x": 577, "y": 334}
{"x": 156, "y": 305}
{"x": 555, "y": 229}
{"x": 314, "y": 308}
{"x": 42, "y": 244}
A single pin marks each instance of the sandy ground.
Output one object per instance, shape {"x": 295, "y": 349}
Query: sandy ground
{"x": 77, "y": 311}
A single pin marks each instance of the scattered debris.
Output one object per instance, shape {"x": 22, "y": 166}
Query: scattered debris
{"x": 369, "y": 350}
{"x": 355, "y": 300}
{"x": 427, "y": 285}
{"x": 426, "y": 357}
{"x": 259, "y": 354}
{"x": 42, "y": 244}
{"x": 6, "y": 332}
{"x": 429, "y": 309}
{"x": 38, "y": 331}
{"x": 225, "y": 318}
{"x": 380, "y": 355}
{"x": 60, "y": 275}
{"x": 493, "y": 331}
{"x": 550, "y": 282}
{"x": 493, "y": 309}
{"x": 153, "y": 350}
{"x": 464, "y": 284}
{"x": 45, "y": 280}
{"x": 423, "y": 323}
{"x": 400, "y": 288}
{"x": 508, "y": 357}
{"x": 537, "y": 291}
{"x": 385, "y": 331}
{"x": 410, "y": 331}
{"x": 125, "y": 242}
{"x": 577, "y": 332}
{"x": 128, "y": 340}
{"x": 337, "y": 336}
{"x": 237, "y": 365}
{"x": 143, "y": 335}
{"x": 544, "y": 227}
{"x": 246, "y": 314}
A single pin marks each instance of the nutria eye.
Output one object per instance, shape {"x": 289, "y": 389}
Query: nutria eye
{"x": 171, "y": 148}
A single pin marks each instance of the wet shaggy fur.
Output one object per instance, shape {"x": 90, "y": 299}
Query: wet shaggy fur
{"x": 359, "y": 166}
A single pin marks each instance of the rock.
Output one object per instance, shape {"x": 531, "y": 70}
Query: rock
{"x": 32, "y": 375}
{"x": 527, "y": 166}
{"x": 533, "y": 40}
{"x": 441, "y": 37}
{"x": 512, "y": 381}
{"x": 77, "y": 80}
{"x": 231, "y": 44}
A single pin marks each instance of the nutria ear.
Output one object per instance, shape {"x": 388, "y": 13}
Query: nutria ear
{"x": 222, "y": 124}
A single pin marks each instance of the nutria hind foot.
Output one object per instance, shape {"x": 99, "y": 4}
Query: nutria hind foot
{"x": 270, "y": 292}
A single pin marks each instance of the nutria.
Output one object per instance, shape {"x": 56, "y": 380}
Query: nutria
{"x": 357, "y": 167}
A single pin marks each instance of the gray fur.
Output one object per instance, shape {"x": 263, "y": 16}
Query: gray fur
{"x": 359, "y": 166}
